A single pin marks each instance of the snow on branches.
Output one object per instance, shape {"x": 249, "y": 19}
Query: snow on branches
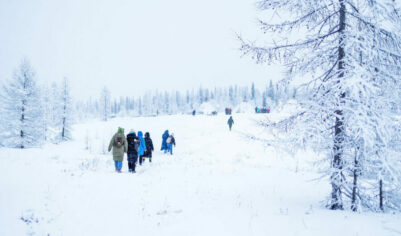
{"x": 21, "y": 108}
{"x": 32, "y": 115}
{"x": 347, "y": 60}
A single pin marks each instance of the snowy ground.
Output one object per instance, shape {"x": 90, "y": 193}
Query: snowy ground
{"x": 216, "y": 183}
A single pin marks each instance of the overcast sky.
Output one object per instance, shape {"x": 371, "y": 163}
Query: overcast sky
{"x": 131, "y": 46}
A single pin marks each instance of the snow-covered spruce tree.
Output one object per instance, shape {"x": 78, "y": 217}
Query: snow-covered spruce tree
{"x": 54, "y": 104}
{"x": 253, "y": 95}
{"x": 271, "y": 92}
{"x": 50, "y": 103}
{"x": 22, "y": 109}
{"x": 264, "y": 102}
{"x": 46, "y": 112}
{"x": 105, "y": 104}
{"x": 231, "y": 98}
{"x": 139, "y": 106}
{"x": 348, "y": 58}
{"x": 166, "y": 106}
{"x": 66, "y": 115}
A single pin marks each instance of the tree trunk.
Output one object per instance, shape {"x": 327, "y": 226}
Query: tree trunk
{"x": 337, "y": 164}
{"x": 64, "y": 117}
{"x": 22, "y": 124}
{"x": 381, "y": 194}
{"x": 63, "y": 130}
{"x": 354, "y": 206}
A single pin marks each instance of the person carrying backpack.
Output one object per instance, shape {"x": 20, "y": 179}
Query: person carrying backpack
{"x": 132, "y": 153}
{"x": 149, "y": 146}
{"x": 119, "y": 145}
{"x": 170, "y": 142}
{"x": 164, "y": 141}
{"x": 230, "y": 122}
{"x": 141, "y": 148}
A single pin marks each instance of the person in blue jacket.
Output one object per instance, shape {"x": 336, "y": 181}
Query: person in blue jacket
{"x": 142, "y": 147}
{"x": 164, "y": 141}
{"x": 170, "y": 143}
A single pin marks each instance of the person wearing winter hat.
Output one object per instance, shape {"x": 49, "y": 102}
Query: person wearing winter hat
{"x": 149, "y": 146}
{"x": 170, "y": 142}
{"x": 164, "y": 141}
{"x": 119, "y": 145}
{"x": 142, "y": 147}
{"x": 132, "y": 153}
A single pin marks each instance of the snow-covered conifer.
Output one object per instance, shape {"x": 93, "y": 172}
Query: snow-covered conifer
{"x": 105, "y": 104}
{"x": 47, "y": 112}
{"x": 166, "y": 103}
{"x": 264, "y": 102}
{"x": 348, "y": 58}
{"x": 139, "y": 106}
{"x": 22, "y": 109}
{"x": 253, "y": 91}
{"x": 66, "y": 116}
{"x": 270, "y": 92}
{"x": 231, "y": 96}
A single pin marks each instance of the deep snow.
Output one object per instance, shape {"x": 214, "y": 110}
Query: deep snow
{"x": 216, "y": 183}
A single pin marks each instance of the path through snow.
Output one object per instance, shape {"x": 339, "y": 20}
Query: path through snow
{"x": 216, "y": 183}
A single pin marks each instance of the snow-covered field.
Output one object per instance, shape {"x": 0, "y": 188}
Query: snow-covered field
{"x": 216, "y": 183}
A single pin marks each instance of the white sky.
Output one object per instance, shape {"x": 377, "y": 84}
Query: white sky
{"x": 131, "y": 46}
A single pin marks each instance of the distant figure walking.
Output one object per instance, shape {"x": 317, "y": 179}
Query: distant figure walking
{"x": 149, "y": 146}
{"x": 142, "y": 147}
{"x": 164, "y": 141}
{"x": 193, "y": 112}
{"x": 230, "y": 122}
{"x": 132, "y": 153}
{"x": 170, "y": 142}
{"x": 119, "y": 145}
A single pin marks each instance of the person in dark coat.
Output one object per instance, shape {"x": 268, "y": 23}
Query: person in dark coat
{"x": 132, "y": 153}
{"x": 170, "y": 142}
{"x": 141, "y": 148}
{"x": 230, "y": 122}
{"x": 164, "y": 141}
{"x": 149, "y": 146}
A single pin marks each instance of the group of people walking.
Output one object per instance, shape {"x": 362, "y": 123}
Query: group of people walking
{"x": 137, "y": 148}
